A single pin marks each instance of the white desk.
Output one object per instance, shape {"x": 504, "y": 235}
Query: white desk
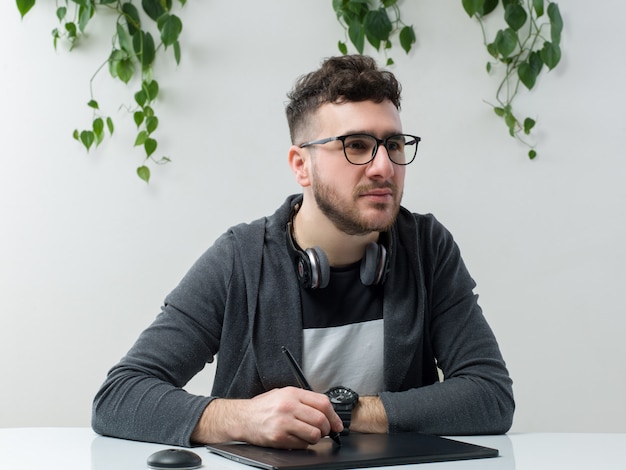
{"x": 82, "y": 449}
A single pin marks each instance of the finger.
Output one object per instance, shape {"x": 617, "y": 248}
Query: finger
{"x": 321, "y": 402}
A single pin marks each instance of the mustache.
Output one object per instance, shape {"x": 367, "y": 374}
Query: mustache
{"x": 372, "y": 186}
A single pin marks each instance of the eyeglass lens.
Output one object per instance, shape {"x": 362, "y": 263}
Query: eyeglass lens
{"x": 361, "y": 148}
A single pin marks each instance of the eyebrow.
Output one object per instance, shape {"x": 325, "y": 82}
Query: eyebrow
{"x": 369, "y": 132}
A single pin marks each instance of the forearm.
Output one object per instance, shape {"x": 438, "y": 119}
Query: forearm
{"x": 456, "y": 406}
{"x": 146, "y": 409}
{"x": 221, "y": 421}
{"x": 369, "y": 416}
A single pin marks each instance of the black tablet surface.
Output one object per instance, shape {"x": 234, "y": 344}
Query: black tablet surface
{"x": 356, "y": 451}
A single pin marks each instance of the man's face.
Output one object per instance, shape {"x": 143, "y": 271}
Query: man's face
{"x": 358, "y": 199}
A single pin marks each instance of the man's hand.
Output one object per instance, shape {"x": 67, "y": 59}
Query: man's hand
{"x": 289, "y": 417}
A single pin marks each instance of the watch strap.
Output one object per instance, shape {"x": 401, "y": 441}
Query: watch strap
{"x": 346, "y": 419}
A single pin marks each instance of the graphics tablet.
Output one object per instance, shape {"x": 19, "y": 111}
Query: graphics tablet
{"x": 356, "y": 451}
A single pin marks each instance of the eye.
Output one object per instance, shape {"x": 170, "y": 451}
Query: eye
{"x": 358, "y": 144}
{"x": 395, "y": 144}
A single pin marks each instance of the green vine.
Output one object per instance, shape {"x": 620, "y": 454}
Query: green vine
{"x": 133, "y": 54}
{"x": 522, "y": 48}
{"x": 377, "y": 24}
{"x": 530, "y": 41}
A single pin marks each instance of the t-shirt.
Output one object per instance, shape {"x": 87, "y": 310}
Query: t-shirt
{"x": 343, "y": 333}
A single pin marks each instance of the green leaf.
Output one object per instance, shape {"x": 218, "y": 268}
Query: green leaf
{"x": 556, "y": 23}
{"x": 125, "y": 69}
{"x": 492, "y": 48}
{"x": 150, "y": 145}
{"x": 534, "y": 59}
{"x": 407, "y": 38}
{"x": 377, "y": 27}
{"x": 76, "y": 135}
{"x": 528, "y": 71}
{"x": 342, "y": 47}
{"x": 538, "y": 7}
{"x": 177, "y": 52}
{"x": 24, "y": 6}
{"x": 170, "y": 27}
{"x": 87, "y": 138}
{"x": 550, "y": 54}
{"x": 141, "y": 138}
{"x": 528, "y": 125}
{"x": 138, "y": 117}
{"x": 356, "y": 33}
{"x": 506, "y": 41}
{"x": 499, "y": 111}
{"x": 151, "y": 124}
{"x": 93, "y": 104}
{"x": 151, "y": 88}
{"x": 124, "y": 39}
{"x": 144, "y": 173}
{"x": 55, "y": 37}
{"x": 143, "y": 44}
{"x": 110, "y": 125}
{"x": 70, "y": 28}
{"x": 114, "y": 60}
{"x": 515, "y": 16}
{"x": 98, "y": 130}
{"x": 132, "y": 18}
{"x": 488, "y": 7}
{"x": 61, "y": 12}
{"x": 98, "y": 126}
{"x": 85, "y": 13}
{"x": 355, "y": 10}
{"x": 532, "y": 154}
{"x": 153, "y": 8}
{"x": 141, "y": 97}
{"x": 472, "y": 6}
{"x": 510, "y": 122}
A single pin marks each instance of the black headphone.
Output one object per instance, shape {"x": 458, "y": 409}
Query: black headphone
{"x": 313, "y": 269}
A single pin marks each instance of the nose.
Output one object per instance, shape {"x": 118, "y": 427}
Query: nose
{"x": 381, "y": 167}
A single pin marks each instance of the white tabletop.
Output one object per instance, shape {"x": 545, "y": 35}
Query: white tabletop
{"x": 82, "y": 449}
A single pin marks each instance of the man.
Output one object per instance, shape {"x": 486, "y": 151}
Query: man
{"x": 366, "y": 295}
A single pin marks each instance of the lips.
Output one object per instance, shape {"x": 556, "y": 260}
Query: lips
{"x": 377, "y": 193}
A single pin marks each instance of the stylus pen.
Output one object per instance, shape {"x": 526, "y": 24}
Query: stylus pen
{"x": 304, "y": 383}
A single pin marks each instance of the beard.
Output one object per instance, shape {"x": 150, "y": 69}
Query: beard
{"x": 347, "y": 217}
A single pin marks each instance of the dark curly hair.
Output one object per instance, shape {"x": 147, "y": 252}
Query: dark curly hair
{"x": 339, "y": 79}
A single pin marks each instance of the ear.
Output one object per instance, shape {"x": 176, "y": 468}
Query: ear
{"x": 299, "y": 163}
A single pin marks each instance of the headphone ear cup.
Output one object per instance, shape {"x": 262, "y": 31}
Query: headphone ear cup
{"x": 319, "y": 267}
{"x": 374, "y": 264}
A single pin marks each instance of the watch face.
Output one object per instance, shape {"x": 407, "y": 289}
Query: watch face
{"x": 342, "y": 395}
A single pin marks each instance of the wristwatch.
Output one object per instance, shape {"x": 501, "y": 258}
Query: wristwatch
{"x": 343, "y": 400}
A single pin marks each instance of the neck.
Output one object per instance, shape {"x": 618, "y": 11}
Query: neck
{"x": 312, "y": 228}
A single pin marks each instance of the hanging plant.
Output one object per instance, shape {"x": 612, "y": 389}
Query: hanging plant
{"x": 378, "y": 22}
{"x": 530, "y": 41}
{"x": 133, "y": 53}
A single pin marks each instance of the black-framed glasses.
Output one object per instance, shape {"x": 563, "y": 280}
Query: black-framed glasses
{"x": 360, "y": 149}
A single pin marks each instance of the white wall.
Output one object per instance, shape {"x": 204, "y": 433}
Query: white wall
{"x": 88, "y": 251}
